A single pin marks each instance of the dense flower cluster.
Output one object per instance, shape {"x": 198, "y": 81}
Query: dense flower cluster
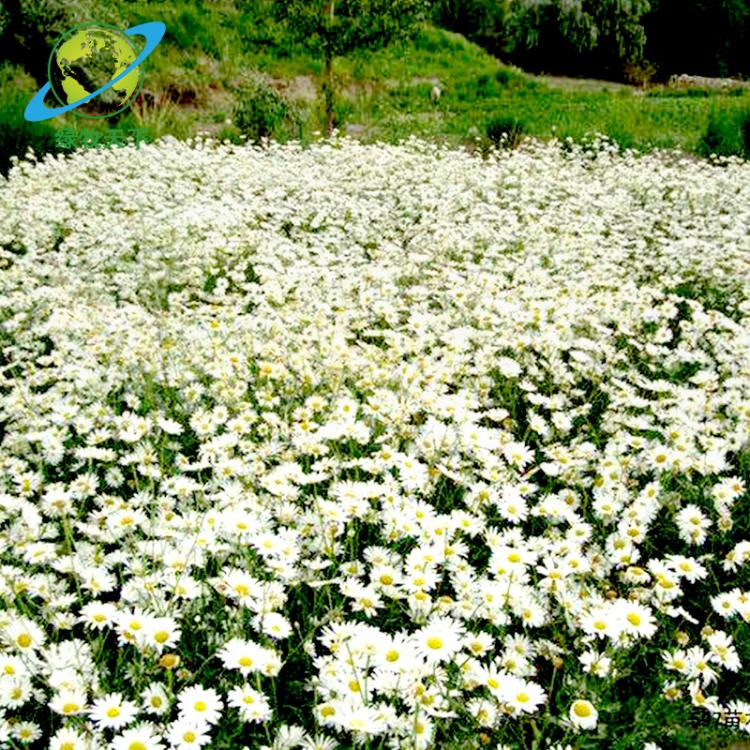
{"x": 386, "y": 444}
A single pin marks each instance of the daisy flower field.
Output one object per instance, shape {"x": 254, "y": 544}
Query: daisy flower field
{"x": 371, "y": 446}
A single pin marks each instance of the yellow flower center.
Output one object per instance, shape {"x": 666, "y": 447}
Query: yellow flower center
{"x": 169, "y": 660}
{"x": 434, "y": 643}
{"x": 634, "y": 619}
{"x": 24, "y": 640}
{"x": 113, "y": 712}
{"x": 199, "y": 706}
{"x": 582, "y": 709}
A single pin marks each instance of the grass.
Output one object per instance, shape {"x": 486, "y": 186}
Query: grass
{"x": 478, "y": 88}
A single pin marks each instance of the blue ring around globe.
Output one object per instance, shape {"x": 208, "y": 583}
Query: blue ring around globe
{"x": 36, "y": 110}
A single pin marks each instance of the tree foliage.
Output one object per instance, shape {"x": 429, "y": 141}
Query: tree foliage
{"x": 599, "y": 35}
{"x": 338, "y": 27}
{"x": 604, "y": 37}
{"x": 702, "y": 37}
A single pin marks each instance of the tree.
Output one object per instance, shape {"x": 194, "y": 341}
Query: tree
{"x": 700, "y": 37}
{"x": 594, "y": 36}
{"x": 336, "y": 27}
{"x": 482, "y": 21}
{"x": 25, "y": 38}
{"x": 574, "y": 37}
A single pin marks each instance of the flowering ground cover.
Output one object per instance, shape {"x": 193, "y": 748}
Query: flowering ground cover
{"x": 374, "y": 446}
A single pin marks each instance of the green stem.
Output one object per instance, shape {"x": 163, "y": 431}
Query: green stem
{"x": 538, "y": 736}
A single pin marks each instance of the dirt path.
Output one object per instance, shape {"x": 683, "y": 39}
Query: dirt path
{"x": 582, "y": 84}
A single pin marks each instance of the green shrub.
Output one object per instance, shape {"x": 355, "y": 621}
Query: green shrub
{"x": 745, "y": 132}
{"x": 503, "y": 76}
{"x": 639, "y": 73}
{"x": 722, "y": 136}
{"x": 697, "y": 93}
{"x": 16, "y": 134}
{"x": 343, "y": 111}
{"x": 505, "y": 131}
{"x": 691, "y": 92}
{"x": 28, "y": 29}
{"x": 622, "y": 137}
{"x": 262, "y": 112}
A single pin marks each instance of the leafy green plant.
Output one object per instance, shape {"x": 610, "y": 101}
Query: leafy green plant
{"x": 746, "y": 135}
{"x": 721, "y": 137}
{"x": 16, "y": 134}
{"x": 639, "y": 73}
{"x": 28, "y": 28}
{"x": 503, "y": 76}
{"x": 262, "y": 112}
{"x": 159, "y": 115}
{"x": 505, "y": 131}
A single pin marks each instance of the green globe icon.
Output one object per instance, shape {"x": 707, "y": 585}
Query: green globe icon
{"x": 87, "y": 58}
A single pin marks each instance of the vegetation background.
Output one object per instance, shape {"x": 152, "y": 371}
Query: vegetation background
{"x": 242, "y": 69}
